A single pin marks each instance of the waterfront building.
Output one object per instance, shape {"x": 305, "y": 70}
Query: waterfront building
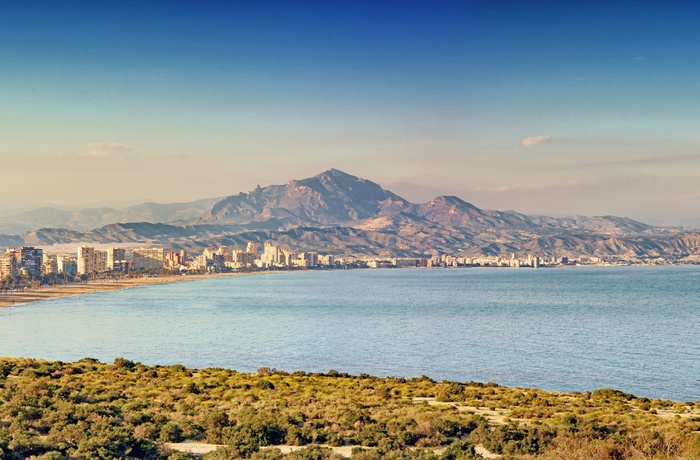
{"x": 406, "y": 263}
{"x": 243, "y": 258}
{"x": 31, "y": 259}
{"x": 67, "y": 264}
{"x": 327, "y": 260}
{"x": 273, "y": 255}
{"x": 9, "y": 263}
{"x": 173, "y": 261}
{"x": 209, "y": 253}
{"x": 225, "y": 252}
{"x": 115, "y": 256}
{"x": 308, "y": 259}
{"x": 147, "y": 259}
{"x": 49, "y": 265}
{"x": 288, "y": 258}
{"x": 450, "y": 261}
{"x": 91, "y": 260}
{"x": 86, "y": 260}
{"x": 219, "y": 261}
{"x": 100, "y": 263}
{"x": 252, "y": 247}
{"x": 123, "y": 266}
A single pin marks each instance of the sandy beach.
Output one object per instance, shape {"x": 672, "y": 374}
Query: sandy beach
{"x": 50, "y": 292}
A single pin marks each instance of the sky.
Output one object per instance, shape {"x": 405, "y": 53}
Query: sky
{"x": 544, "y": 107}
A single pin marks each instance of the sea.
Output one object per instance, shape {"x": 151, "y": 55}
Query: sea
{"x": 635, "y": 329}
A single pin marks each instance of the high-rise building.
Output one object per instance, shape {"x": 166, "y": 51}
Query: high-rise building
{"x": 91, "y": 260}
{"x": 308, "y": 259}
{"x": 287, "y": 258}
{"x": 173, "y": 261}
{"x": 100, "y": 263}
{"x": 243, "y": 258}
{"x": 31, "y": 259}
{"x": 271, "y": 253}
{"x": 86, "y": 260}
{"x": 328, "y": 260}
{"x": 209, "y": 253}
{"x": 49, "y": 265}
{"x": 85, "y": 257}
{"x": 115, "y": 256}
{"x": 252, "y": 247}
{"x": 148, "y": 259}
{"x": 225, "y": 252}
{"x": 9, "y": 263}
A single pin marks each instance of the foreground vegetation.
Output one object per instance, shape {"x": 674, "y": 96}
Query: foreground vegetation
{"x": 91, "y": 410}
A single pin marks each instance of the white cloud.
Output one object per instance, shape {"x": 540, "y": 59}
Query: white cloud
{"x": 535, "y": 140}
{"x": 99, "y": 151}
{"x": 104, "y": 150}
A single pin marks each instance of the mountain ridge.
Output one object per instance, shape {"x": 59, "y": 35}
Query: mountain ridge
{"x": 342, "y": 214}
{"x": 89, "y": 218}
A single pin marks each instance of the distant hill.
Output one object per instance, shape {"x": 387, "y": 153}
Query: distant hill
{"x": 335, "y": 212}
{"x": 89, "y": 218}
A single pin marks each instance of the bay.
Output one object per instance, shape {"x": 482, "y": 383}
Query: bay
{"x": 573, "y": 329}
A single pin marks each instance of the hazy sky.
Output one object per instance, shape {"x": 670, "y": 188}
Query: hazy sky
{"x": 554, "y": 107}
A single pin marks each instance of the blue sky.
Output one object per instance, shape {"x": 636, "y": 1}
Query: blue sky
{"x": 543, "y": 106}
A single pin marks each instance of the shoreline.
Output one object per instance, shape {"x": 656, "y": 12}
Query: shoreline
{"x": 66, "y": 290}
{"x": 73, "y": 289}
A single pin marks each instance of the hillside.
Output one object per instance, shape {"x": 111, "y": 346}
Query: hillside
{"x": 91, "y": 410}
{"x": 330, "y": 198}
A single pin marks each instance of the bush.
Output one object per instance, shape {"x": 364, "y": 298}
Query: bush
{"x": 123, "y": 363}
{"x": 171, "y": 432}
{"x": 314, "y": 453}
{"x": 459, "y": 450}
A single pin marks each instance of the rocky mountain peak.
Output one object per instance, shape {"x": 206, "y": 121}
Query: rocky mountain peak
{"x": 330, "y": 198}
{"x": 444, "y": 201}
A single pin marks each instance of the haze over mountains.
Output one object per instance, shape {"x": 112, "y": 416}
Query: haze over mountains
{"x": 334, "y": 212}
{"x": 89, "y": 218}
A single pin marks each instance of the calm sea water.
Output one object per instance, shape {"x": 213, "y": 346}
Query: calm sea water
{"x": 633, "y": 329}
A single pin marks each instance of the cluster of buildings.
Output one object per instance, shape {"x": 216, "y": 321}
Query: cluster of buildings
{"x": 17, "y": 261}
{"x": 272, "y": 256}
{"x": 34, "y": 262}
{"x": 30, "y": 261}
{"x": 446, "y": 260}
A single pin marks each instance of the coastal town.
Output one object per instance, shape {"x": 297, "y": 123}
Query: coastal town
{"x": 88, "y": 261}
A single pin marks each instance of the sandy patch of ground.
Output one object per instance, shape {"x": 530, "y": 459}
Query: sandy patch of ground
{"x": 191, "y": 447}
{"x": 669, "y": 413}
{"x": 200, "y": 448}
{"x": 484, "y": 452}
{"x": 495, "y": 417}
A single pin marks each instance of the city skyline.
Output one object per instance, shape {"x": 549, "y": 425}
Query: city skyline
{"x": 543, "y": 108}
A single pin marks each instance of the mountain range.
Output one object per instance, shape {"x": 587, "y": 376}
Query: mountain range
{"x": 89, "y": 218}
{"x": 335, "y": 212}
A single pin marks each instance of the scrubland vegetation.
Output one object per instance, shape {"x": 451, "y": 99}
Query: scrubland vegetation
{"x": 91, "y": 410}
